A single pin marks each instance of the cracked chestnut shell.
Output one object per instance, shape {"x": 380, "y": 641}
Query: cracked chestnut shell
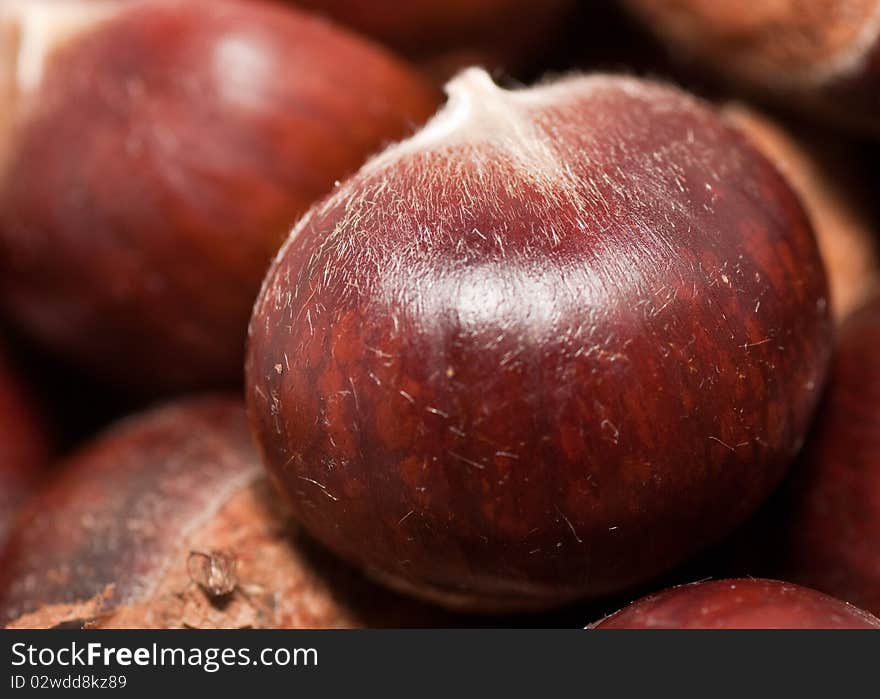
{"x": 166, "y": 521}
{"x": 747, "y": 603}
{"x": 551, "y": 345}
{"x": 154, "y": 156}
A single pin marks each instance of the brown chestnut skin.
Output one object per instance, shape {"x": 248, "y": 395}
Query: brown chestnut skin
{"x": 553, "y": 344}
{"x": 25, "y": 445}
{"x": 500, "y": 34}
{"x": 744, "y": 603}
{"x": 831, "y": 524}
{"x": 167, "y": 520}
{"x": 158, "y": 155}
{"x": 825, "y": 55}
{"x": 832, "y": 188}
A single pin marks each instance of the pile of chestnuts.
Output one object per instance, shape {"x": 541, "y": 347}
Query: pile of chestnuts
{"x": 439, "y": 314}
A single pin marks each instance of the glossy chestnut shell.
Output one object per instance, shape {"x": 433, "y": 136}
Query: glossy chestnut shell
{"x": 153, "y": 157}
{"x": 831, "y": 524}
{"x": 548, "y": 347}
{"x": 747, "y": 603}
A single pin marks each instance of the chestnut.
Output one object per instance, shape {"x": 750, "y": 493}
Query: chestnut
{"x": 501, "y": 34}
{"x": 830, "y": 522}
{"x": 743, "y": 603}
{"x": 829, "y": 182}
{"x": 24, "y": 445}
{"x": 155, "y": 154}
{"x": 166, "y": 520}
{"x": 548, "y": 347}
{"x": 824, "y": 55}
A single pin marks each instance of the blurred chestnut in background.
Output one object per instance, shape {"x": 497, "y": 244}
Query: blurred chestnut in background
{"x": 832, "y": 187}
{"x": 500, "y": 34}
{"x": 832, "y": 523}
{"x": 166, "y": 521}
{"x": 746, "y": 603}
{"x": 154, "y": 155}
{"x": 551, "y": 345}
{"x": 24, "y": 446}
{"x": 826, "y": 54}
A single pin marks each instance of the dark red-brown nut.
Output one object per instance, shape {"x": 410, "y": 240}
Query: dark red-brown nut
{"x": 743, "y": 603}
{"x": 166, "y": 521}
{"x": 825, "y": 176}
{"x": 553, "y": 344}
{"x": 24, "y": 446}
{"x": 155, "y": 154}
{"x": 499, "y": 33}
{"x": 832, "y": 539}
{"x": 825, "y": 53}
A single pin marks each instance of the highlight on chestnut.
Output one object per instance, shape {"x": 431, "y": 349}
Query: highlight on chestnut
{"x": 153, "y": 156}
{"x": 748, "y": 603}
{"x": 350, "y": 314}
{"x": 550, "y": 346}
